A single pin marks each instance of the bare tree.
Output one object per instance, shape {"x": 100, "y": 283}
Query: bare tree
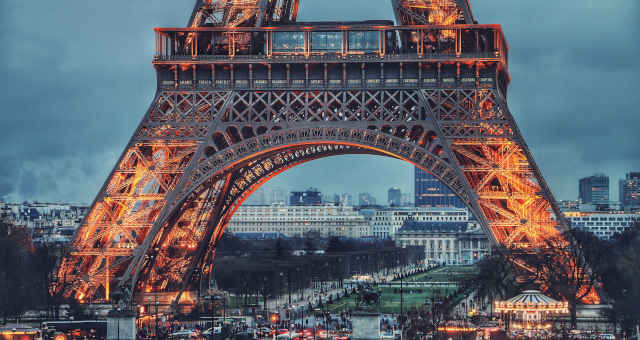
{"x": 496, "y": 277}
{"x": 563, "y": 269}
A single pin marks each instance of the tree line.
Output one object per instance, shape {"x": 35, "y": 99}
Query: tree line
{"x": 265, "y": 269}
{"x": 26, "y": 272}
{"x": 567, "y": 271}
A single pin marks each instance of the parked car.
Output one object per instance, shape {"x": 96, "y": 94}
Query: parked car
{"x": 184, "y": 334}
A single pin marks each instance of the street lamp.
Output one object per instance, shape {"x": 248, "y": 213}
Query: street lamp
{"x": 213, "y": 299}
{"x": 300, "y": 283}
{"x": 156, "y": 315}
{"x": 289, "y": 286}
{"x": 401, "y": 296}
{"x": 278, "y": 293}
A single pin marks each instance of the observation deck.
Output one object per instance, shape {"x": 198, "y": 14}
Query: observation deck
{"x": 368, "y": 54}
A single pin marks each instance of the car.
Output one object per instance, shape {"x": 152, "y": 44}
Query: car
{"x": 184, "y": 334}
{"x": 342, "y": 336}
{"x": 215, "y": 329}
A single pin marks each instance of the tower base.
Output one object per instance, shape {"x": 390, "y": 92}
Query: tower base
{"x": 121, "y": 325}
{"x": 366, "y": 326}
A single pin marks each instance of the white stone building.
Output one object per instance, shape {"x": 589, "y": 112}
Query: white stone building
{"x": 47, "y": 222}
{"x": 270, "y": 221}
{"x": 446, "y": 242}
{"x": 600, "y": 223}
{"x": 386, "y": 222}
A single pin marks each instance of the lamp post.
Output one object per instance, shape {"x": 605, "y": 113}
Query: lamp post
{"x": 289, "y": 286}
{"x": 264, "y": 295}
{"x": 401, "y": 296}
{"x": 213, "y": 316}
{"x": 156, "y": 315}
{"x": 278, "y": 294}
{"x": 299, "y": 279}
{"x": 326, "y": 270}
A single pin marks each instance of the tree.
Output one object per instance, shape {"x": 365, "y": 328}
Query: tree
{"x": 619, "y": 267}
{"x": 496, "y": 277}
{"x": 16, "y": 274}
{"x": 45, "y": 261}
{"x": 282, "y": 248}
{"x": 309, "y": 244}
{"x": 563, "y": 268}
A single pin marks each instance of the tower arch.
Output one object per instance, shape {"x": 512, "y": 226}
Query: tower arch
{"x": 238, "y": 103}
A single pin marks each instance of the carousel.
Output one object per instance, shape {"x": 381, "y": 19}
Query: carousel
{"x": 530, "y": 310}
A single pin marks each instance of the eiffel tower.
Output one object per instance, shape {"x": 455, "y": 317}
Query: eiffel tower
{"x": 245, "y": 92}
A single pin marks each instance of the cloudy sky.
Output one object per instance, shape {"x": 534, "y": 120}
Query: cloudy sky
{"x": 77, "y": 78}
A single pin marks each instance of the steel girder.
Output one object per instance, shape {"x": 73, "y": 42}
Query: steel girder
{"x": 432, "y": 12}
{"x": 197, "y": 154}
{"x": 234, "y": 13}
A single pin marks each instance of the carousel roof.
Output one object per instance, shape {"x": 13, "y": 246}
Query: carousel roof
{"x": 531, "y": 297}
{"x": 531, "y": 300}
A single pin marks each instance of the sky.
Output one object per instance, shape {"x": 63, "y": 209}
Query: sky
{"x": 77, "y": 78}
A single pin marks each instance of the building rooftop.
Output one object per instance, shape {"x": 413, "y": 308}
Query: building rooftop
{"x": 440, "y": 226}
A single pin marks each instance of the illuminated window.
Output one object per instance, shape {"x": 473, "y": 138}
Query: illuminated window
{"x": 363, "y": 41}
{"x": 326, "y": 41}
{"x": 288, "y": 41}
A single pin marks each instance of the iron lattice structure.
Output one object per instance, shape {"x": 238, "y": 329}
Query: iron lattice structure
{"x": 238, "y": 103}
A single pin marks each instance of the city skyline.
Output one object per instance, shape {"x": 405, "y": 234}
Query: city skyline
{"x": 575, "y": 123}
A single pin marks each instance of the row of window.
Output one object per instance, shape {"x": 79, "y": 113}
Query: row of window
{"x": 447, "y": 243}
{"x": 423, "y": 213}
{"x": 297, "y": 222}
{"x": 604, "y": 218}
{"x": 366, "y": 41}
{"x": 582, "y": 224}
{"x": 399, "y": 220}
{"x": 268, "y": 230}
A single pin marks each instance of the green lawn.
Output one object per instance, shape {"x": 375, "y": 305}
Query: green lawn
{"x": 452, "y": 273}
{"x": 390, "y": 303}
{"x": 412, "y": 297}
{"x": 390, "y": 300}
{"x": 239, "y": 302}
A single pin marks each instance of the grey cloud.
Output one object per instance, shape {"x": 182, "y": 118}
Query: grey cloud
{"x": 78, "y": 78}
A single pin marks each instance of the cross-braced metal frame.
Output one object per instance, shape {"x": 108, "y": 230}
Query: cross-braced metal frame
{"x": 222, "y": 124}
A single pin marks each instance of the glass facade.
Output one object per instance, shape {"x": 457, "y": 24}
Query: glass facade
{"x": 630, "y": 192}
{"x": 359, "y": 41}
{"x": 431, "y": 192}
{"x": 595, "y": 190}
{"x": 326, "y": 41}
{"x": 288, "y": 41}
{"x": 367, "y": 41}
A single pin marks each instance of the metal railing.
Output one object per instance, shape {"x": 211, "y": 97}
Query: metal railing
{"x": 493, "y": 56}
{"x": 333, "y": 83}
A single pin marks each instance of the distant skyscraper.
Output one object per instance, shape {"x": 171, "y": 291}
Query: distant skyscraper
{"x": 394, "y": 197}
{"x": 257, "y": 198}
{"x": 595, "y": 190}
{"x": 431, "y": 192}
{"x": 629, "y": 191}
{"x": 366, "y": 199}
{"x": 310, "y": 196}
{"x": 407, "y": 199}
{"x": 346, "y": 198}
{"x": 278, "y": 195}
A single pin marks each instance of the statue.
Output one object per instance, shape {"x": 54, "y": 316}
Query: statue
{"x": 367, "y": 298}
{"x": 121, "y": 298}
